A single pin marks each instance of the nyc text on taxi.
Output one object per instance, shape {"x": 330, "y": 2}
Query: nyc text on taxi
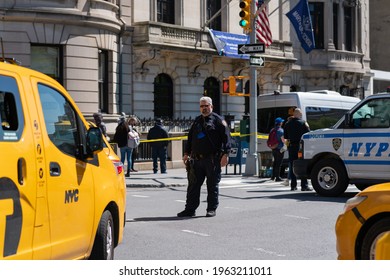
{"x": 62, "y": 188}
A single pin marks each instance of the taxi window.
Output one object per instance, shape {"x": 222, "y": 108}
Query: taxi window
{"x": 11, "y": 116}
{"x": 60, "y": 120}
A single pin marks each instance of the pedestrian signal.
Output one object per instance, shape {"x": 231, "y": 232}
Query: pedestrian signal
{"x": 239, "y": 85}
{"x": 233, "y": 85}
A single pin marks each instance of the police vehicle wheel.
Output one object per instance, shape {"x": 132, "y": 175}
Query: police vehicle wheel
{"x": 329, "y": 177}
{"x": 371, "y": 238}
{"x": 103, "y": 247}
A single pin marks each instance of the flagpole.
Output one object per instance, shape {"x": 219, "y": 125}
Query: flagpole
{"x": 207, "y": 22}
{"x": 251, "y": 165}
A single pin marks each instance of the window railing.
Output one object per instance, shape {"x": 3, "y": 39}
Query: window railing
{"x": 171, "y": 125}
{"x": 175, "y": 127}
{"x": 170, "y": 34}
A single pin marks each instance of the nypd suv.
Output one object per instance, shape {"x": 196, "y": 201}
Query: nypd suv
{"x": 356, "y": 150}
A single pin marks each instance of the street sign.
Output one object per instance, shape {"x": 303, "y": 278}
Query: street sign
{"x": 257, "y": 61}
{"x": 251, "y": 48}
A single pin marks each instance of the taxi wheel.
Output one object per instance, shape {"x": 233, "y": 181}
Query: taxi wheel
{"x": 103, "y": 247}
{"x": 372, "y": 236}
{"x": 329, "y": 177}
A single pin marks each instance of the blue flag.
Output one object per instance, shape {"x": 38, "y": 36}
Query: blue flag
{"x": 301, "y": 20}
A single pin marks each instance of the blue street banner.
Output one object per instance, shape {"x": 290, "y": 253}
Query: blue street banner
{"x": 227, "y": 43}
{"x": 301, "y": 20}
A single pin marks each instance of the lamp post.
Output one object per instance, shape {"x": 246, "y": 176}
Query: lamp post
{"x": 251, "y": 165}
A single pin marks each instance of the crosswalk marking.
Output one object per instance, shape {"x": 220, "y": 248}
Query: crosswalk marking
{"x": 195, "y": 233}
{"x": 297, "y": 217}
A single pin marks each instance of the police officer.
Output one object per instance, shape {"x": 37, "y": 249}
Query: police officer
{"x": 293, "y": 131}
{"x": 207, "y": 150}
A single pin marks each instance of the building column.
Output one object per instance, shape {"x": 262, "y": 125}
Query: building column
{"x": 341, "y": 29}
{"x": 329, "y": 27}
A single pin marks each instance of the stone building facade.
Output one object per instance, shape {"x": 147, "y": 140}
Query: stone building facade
{"x": 380, "y": 56}
{"x": 156, "y": 58}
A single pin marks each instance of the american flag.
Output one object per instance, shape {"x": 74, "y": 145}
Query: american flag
{"x": 263, "y": 30}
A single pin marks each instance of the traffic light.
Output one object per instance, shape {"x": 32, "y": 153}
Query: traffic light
{"x": 245, "y": 14}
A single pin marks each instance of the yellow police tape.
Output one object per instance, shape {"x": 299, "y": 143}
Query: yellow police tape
{"x": 178, "y": 138}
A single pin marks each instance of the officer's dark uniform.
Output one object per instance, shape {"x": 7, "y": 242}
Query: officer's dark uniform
{"x": 293, "y": 131}
{"x": 208, "y": 140}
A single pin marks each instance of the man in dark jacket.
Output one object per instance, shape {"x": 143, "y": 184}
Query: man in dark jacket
{"x": 159, "y": 146}
{"x": 293, "y": 131}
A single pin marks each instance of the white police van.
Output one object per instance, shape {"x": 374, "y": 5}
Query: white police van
{"x": 322, "y": 108}
{"x": 355, "y": 151}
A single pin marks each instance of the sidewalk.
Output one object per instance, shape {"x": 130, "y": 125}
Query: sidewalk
{"x": 177, "y": 177}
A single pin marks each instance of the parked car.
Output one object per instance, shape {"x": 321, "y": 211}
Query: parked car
{"x": 365, "y": 220}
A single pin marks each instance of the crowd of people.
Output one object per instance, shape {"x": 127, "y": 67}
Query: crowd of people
{"x": 128, "y": 139}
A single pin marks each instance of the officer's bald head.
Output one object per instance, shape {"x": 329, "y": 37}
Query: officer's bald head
{"x": 297, "y": 113}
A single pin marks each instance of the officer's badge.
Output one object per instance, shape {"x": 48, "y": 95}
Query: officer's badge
{"x": 336, "y": 142}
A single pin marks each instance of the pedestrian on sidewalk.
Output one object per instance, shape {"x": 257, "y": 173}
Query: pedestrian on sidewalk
{"x": 159, "y": 147}
{"x": 98, "y": 118}
{"x": 121, "y": 138}
{"x": 277, "y": 152}
{"x": 133, "y": 122}
{"x": 293, "y": 131}
{"x": 290, "y": 116}
{"x": 207, "y": 150}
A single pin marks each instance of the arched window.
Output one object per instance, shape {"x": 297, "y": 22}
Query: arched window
{"x": 163, "y": 96}
{"x": 211, "y": 89}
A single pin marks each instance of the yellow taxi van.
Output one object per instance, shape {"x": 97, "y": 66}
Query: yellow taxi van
{"x": 362, "y": 230}
{"x": 62, "y": 187}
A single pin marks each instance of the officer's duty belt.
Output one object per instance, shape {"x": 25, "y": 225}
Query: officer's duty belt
{"x": 198, "y": 156}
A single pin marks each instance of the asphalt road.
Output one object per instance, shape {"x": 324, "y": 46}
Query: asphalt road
{"x": 255, "y": 221}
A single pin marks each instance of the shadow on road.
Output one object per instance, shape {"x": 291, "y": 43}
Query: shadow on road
{"x": 296, "y": 195}
{"x": 154, "y": 219}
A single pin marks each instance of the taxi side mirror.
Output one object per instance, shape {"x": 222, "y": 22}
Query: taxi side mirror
{"x": 94, "y": 141}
